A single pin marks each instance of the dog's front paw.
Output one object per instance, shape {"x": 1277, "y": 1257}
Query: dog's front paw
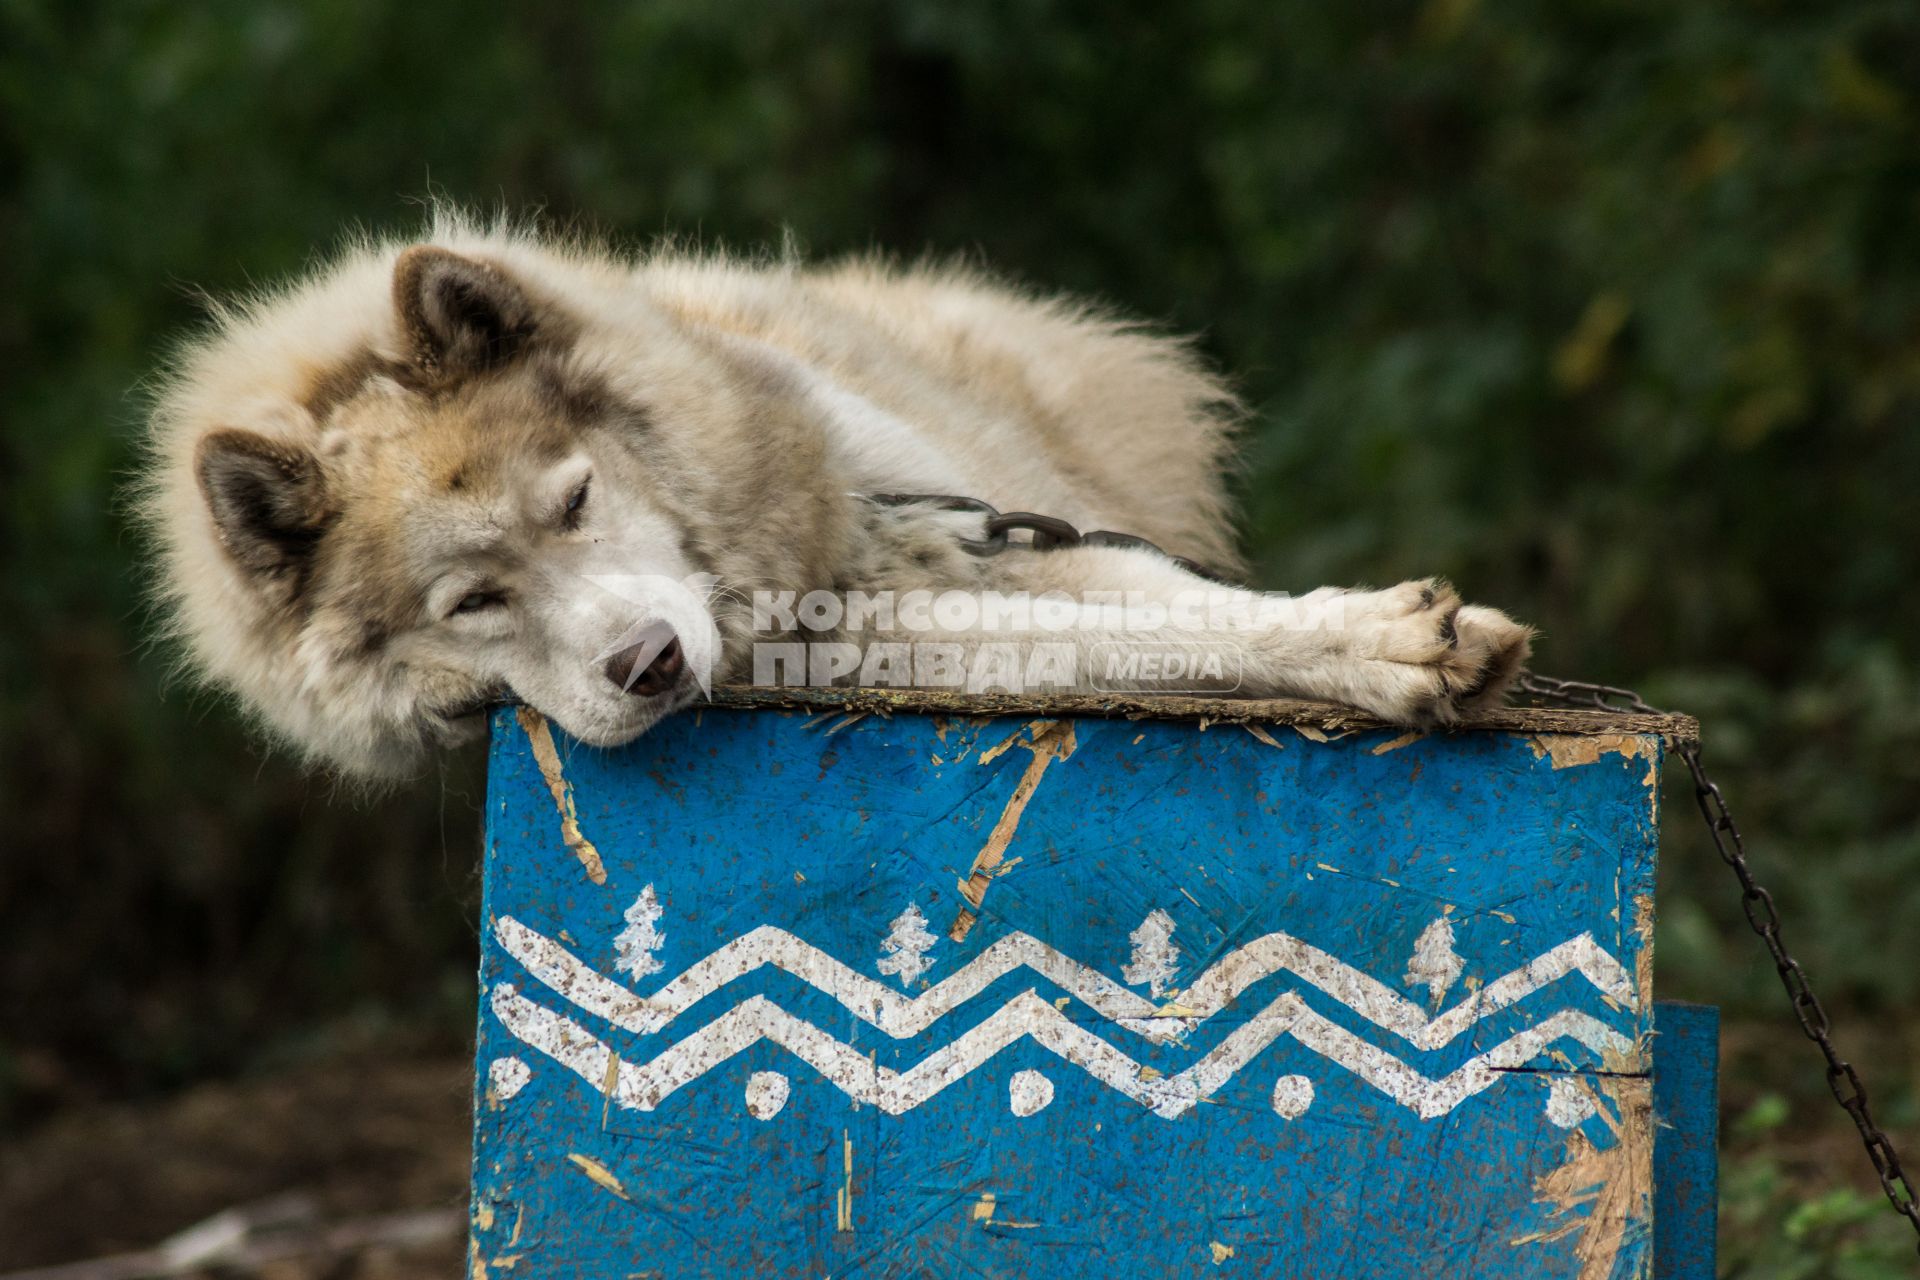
{"x": 1417, "y": 656}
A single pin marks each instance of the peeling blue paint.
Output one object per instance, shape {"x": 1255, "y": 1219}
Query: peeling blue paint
{"x": 1309, "y": 1153}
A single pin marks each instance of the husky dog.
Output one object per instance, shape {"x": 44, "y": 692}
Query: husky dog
{"x": 415, "y": 481}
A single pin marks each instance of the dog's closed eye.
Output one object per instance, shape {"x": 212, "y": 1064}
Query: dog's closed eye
{"x": 479, "y": 601}
{"x": 576, "y": 507}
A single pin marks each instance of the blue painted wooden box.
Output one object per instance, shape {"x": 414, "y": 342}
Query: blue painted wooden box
{"x": 870, "y": 987}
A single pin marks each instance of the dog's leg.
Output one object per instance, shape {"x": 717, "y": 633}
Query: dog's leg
{"x": 1411, "y": 654}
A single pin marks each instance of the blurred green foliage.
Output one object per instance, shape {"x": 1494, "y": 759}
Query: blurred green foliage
{"x": 1773, "y": 1228}
{"x": 1608, "y": 309}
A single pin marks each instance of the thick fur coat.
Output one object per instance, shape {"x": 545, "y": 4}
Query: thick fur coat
{"x": 416, "y": 480}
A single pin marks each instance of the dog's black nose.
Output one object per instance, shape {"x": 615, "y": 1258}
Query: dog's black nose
{"x": 656, "y": 676}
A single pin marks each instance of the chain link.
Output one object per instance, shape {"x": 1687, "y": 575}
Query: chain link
{"x": 1764, "y": 918}
{"x": 1044, "y": 533}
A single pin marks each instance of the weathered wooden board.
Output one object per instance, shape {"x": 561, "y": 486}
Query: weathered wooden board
{"x": 1686, "y": 1162}
{"x": 773, "y": 994}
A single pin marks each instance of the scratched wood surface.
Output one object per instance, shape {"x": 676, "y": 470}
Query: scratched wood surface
{"x": 773, "y": 994}
{"x": 1327, "y": 716}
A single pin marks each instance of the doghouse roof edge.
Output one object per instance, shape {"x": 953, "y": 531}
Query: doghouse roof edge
{"x": 1287, "y": 711}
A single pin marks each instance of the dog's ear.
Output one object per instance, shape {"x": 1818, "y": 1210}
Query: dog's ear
{"x": 269, "y": 504}
{"x": 460, "y": 316}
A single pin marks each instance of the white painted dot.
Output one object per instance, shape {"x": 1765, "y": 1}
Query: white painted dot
{"x": 766, "y": 1094}
{"x": 507, "y": 1076}
{"x": 1568, "y": 1102}
{"x": 1292, "y": 1095}
{"x": 1028, "y": 1092}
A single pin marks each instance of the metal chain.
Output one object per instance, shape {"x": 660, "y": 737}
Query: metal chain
{"x": 1045, "y": 533}
{"x": 1842, "y": 1079}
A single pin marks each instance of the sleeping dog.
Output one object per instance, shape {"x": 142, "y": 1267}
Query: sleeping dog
{"x": 436, "y": 473}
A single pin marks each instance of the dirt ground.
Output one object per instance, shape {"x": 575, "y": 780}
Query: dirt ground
{"x": 355, "y": 1140}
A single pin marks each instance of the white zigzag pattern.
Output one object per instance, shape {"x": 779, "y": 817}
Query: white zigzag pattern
{"x": 898, "y": 1016}
{"x": 642, "y": 1086}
